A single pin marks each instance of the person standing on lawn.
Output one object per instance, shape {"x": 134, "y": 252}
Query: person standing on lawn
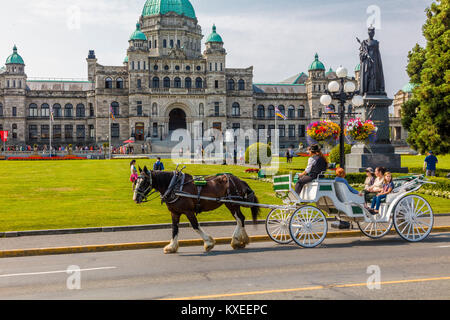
{"x": 159, "y": 166}
{"x": 429, "y": 165}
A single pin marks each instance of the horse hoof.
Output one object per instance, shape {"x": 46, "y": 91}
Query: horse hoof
{"x": 209, "y": 247}
{"x": 238, "y": 245}
{"x": 170, "y": 250}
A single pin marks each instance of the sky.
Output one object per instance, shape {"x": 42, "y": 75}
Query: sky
{"x": 279, "y": 38}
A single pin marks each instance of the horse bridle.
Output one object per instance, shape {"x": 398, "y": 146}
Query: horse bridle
{"x": 146, "y": 194}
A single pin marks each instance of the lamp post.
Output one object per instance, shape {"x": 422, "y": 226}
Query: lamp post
{"x": 342, "y": 91}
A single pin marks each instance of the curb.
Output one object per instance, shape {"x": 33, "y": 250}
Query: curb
{"x": 162, "y": 244}
{"x": 15, "y": 234}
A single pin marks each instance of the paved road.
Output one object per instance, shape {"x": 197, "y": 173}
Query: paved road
{"x": 336, "y": 270}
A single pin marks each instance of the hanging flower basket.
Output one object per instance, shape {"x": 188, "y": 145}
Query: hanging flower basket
{"x": 360, "y": 132}
{"x": 323, "y": 132}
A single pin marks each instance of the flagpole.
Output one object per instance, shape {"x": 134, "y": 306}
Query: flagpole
{"x": 51, "y": 114}
{"x": 110, "y": 147}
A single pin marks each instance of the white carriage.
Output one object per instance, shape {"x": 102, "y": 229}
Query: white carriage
{"x": 303, "y": 218}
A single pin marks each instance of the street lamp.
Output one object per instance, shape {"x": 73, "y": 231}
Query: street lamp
{"x": 342, "y": 91}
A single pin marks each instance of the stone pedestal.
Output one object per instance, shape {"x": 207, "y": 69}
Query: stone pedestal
{"x": 381, "y": 153}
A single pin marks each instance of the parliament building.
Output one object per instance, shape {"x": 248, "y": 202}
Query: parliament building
{"x": 172, "y": 77}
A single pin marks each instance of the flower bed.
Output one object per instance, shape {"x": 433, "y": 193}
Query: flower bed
{"x": 252, "y": 170}
{"x": 38, "y": 158}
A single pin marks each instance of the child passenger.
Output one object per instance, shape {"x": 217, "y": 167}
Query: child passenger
{"x": 388, "y": 186}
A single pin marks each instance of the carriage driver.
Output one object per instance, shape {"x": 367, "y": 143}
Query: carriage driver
{"x": 317, "y": 164}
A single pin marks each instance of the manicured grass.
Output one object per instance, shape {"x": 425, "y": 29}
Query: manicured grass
{"x": 80, "y": 194}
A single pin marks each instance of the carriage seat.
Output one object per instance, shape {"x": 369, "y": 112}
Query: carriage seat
{"x": 345, "y": 196}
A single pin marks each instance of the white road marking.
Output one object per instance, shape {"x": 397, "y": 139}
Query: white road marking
{"x": 444, "y": 247}
{"x": 51, "y": 272}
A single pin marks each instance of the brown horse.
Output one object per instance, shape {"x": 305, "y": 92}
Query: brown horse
{"x": 225, "y": 186}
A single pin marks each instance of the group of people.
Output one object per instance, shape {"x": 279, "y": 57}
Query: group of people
{"x": 377, "y": 186}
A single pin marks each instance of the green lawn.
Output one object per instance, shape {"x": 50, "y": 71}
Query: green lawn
{"x": 81, "y": 194}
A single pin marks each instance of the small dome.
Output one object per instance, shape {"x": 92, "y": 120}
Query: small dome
{"x": 358, "y": 67}
{"x": 138, "y": 34}
{"x": 157, "y": 7}
{"x": 214, "y": 36}
{"x": 329, "y": 72}
{"x": 317, "y": 65}
{"x": 15, "y": 58}
{"x": 126, "y": 59}
{"x": 408, "y": 88}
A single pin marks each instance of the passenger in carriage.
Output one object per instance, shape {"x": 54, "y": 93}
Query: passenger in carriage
{"x": 317, "y": 164}
{"x": 388, "y": 187}
{"x": 377, "y": 186}
{"x": 340, "y": 177}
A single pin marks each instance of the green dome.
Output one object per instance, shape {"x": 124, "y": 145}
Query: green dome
{"x": 408, "y": 88}
{"x": 156, "y": 7}
{"x": 329, "y": 71}
{"x": 15, "y": 58}
{"x": 317, "y": 65}
{"x": 358, "y": 67}
{"x": 214, "y": 36}
{"x": 126, "y": 59}
{"x": 138, "y": 34}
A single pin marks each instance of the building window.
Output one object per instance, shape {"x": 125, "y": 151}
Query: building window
{"x": 236, "y": 110}
{"x": 301, "y": 131}
{"x": 156, "y": 44}
{"x": 166, "y": 68}
{"x": 216, "y": 84}
{"x": 171, "y": 43}
{"x": 1, "y": 110}
{"x": 231, "y": 85}
{"x": 81, "y": 111}
{"x": 199, "y": 83}
{"x": 139, "y": 109}
{"x": 139, "y": 65}
{"x": 14, "y": 112}
{"x": 301, "y": 112}
{"x": 155, "y": 130}
{"x": 33, "y": 132}
{"x": 188, "y": 83}
{"x": 178, "y": 43}
{"x": 155, "y": 110}
{"x": 33, "y": 110}
{"x": 177, "y": 82}
{"x": 91, "y": 110}
{"x": 81, "y": 132}
{"x": 115, "y": 108}
{"x": 216, "y": 109}
{"x": 91, "y": 132}
{"x": 115, "y": 130}
{"x": 57, "y": 131}
{"x": 282, "y": 110}
{"x": 45, "y": 132}
{"x": 270, "y": 129}
{"x": 241, "y": 85}
{"x": 261, "y": 112}
{"x": 132, "y": 65}
{"x": 166, "y": 82}
{"x": 271, "y": 112}
{"x": 139, "y": 83}
{"x": 291, "y": 112}
{"x": 109, "y": 82}
{"x": 236, "y": 126}
{"x": 119, "y": 83}
{"x": 261, "y": 131}
{"x": 68, "y": 132}
{"x": 188, "y": 68}
{"x": 164, "y": 43}
{"x": 155, "y": 82}
{"x": 292, "y": 131}
{"x": 282, "y": 129}
{"x": 14, "y": 131}
{"x": 201, "y": 110}
{"x": 45, "y": 110}
{"x": 155, "y": 67}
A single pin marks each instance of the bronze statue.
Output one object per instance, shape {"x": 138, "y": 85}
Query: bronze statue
{"x": 372, "y": 76}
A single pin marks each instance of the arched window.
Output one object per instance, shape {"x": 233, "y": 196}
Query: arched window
{"x": 108, "y": 83}
{"x": 271, "y": 112}
{"x": 241, "y": 85}
{"x": 231, "y": 84}
{"x": 177, "y": 82}
{"x": 261, "y": 113}
{"x": 199, "y": 83}
{"x": 68, "y": 110}
{"x": 301, "y": 112}
{"x": 155, "y": 82}
{"x": 291, "y": 112}
{"x": 188, "y": 83}
{"x": 119, "y": 83}
{"x": 115, "y": 108}
{"x": 201, "y": 110}
{"x": 282, "y": 110}
{"x": 57, "y": 112}
{"x": 236, "y": 110}
{"x": 33, "y": 110}
{"x": 155, "y": 110}
{"x": 81, "y": 111}
{"x": 45, "y": 110}
{"x": 166, "y": 82}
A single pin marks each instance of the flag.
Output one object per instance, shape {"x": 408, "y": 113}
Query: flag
{"x": 112, "y": 113}
{"x": 279, "y": 114}
{"x": 4, "y": 136}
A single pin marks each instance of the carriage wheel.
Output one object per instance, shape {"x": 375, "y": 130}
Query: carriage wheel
{"x": 308, "y": 227}
{"x": 374, "y": 229}
{"x": 277, "y": 226}
{"x": 413, "y": 218}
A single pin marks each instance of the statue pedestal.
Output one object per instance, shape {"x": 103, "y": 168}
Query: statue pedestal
{"x": 381, "y": 153}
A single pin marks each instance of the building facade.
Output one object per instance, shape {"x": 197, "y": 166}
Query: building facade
{"x": 165, "y": 83}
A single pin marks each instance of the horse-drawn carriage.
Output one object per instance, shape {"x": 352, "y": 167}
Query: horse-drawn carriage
{"x": 303, "y": 219}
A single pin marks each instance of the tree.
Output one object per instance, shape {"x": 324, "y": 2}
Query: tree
{"x": 409, "y": 112}
{"x": 258, "y": 153}
{"x": 429, "y": 70}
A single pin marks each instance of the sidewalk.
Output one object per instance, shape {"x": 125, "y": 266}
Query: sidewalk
{"x": 106, "y": 238}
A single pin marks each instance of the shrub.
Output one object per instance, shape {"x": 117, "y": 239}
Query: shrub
{"x": 335, "y": 154}
{"x": 258, "y": 150}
